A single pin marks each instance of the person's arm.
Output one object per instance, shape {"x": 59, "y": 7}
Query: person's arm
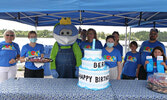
{"x": 164, "y": 64}
{"x": 53, "y": 55}
{"x": 12, "y": 61}
{"x": 137, "y": 70}
{"x": 119, "y": 70}
{"x": 123, "y": 64}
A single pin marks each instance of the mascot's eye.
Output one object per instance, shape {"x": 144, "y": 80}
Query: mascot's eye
{"x": 62, "y": 33}
{"x": 66, "y": 32}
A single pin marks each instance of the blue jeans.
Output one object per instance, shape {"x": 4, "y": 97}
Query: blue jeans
{"x": 65, "y": 63}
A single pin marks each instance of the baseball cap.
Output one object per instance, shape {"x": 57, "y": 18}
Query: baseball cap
{"x": 154, "y": 30}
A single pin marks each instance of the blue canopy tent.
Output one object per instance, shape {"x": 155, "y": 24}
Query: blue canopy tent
{"x": 84, "y": 12}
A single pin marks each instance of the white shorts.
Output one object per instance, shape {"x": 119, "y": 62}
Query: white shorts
{"x": 7, "y": 72}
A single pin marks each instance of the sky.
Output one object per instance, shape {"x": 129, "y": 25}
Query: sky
{"x": 5, "y": 24}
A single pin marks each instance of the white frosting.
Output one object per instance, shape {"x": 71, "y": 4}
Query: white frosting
{"x": 93, "y": 79}
{"x": 93, "y": 74}
{"x": 88, "y": 53}
{"x": 93, "y": 64}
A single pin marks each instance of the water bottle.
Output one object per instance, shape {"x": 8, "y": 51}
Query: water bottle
{"x": 150, "y": 64}
{"x": 160, "y": 68}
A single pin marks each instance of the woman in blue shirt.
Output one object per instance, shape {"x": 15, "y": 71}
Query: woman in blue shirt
{"x": 32, "y": 49}
{"x": 9, "y": 54}
{"x": 117, "y": 45}
{"x": 91, "y": 34}
{"x": 112, "y": 58}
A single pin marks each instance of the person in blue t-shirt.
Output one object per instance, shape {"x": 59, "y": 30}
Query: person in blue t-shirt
{"x": 112, "y": 58}
{"x": 117, "y": 45}
{"x": 91, "y": 34}
{"x": 146, "y": 49}
{"x": 157, "y": 51}
{"x": 32, "y": 49}
{"x": 82, "y": 35}
{"x": 9, "y": 54}
{"x": 131, "y": 63}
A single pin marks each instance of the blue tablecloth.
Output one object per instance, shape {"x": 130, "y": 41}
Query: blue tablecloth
{"x": 135, "y": 90}
{"x": 49, "y": 89}
{"x": 67, "y": 89}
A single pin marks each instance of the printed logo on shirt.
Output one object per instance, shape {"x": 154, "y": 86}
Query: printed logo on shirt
{"x": 110, "y": 58}
{"x": 33, "y": 53}
{"x": 148, "y": 49}
{"x": 8, "y": 47}
{"x": 131, "y": 59}
{"x": 88, "y": 46}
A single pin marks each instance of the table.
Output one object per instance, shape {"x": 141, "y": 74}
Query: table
{"x": 49, "y": 89}
{"x": 67, "y": 89}
{"x": 135, "y": 90}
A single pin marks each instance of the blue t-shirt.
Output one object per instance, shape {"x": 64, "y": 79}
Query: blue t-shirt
{"x": 147, "y": 47}
{"x": 28, "y": 51}
{"x": 88, "y": 45}
{"x": 8, "y": 51}
{"x": 78, "y": 41}
{"x": 130, "y": 66}
{"x": 118, "y": 46}
{"x": 111, "y": 58}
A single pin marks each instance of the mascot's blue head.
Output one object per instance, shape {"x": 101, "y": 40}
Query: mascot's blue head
{"x": 65, "y": 33}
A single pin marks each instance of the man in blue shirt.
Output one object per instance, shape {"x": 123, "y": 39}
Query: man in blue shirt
{"x": 146, "y": 49}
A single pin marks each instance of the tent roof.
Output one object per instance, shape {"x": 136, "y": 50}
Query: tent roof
{"x": 95, "y": 5}
{"x": 84, "y": 12}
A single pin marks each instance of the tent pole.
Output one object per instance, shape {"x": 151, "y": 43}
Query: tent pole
{"x": 35, "y": 28}
{"x": 129, "y": 36}
{"x": 126, "y": 40}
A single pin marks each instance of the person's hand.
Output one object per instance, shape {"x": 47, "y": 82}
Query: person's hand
{"x": 163, "y": 63}
{"x": 12, "y": 61}
{"x": 146, "y": 62}
{"x": 76, "y": 71}
{"x": 54, "y": 73}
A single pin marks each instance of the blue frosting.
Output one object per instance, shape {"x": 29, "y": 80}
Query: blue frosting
{"x": 107, "y": 85}
{"x": 96, "y": 59}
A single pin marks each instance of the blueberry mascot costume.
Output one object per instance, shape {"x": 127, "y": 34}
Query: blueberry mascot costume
{"x": 66, "y": 54}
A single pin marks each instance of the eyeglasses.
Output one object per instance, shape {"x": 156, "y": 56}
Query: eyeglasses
{"x": 153, "y": 34}
{"x": 9, "y": 35}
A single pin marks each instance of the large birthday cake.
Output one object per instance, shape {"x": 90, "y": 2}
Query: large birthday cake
{"x": 93, "y": 73}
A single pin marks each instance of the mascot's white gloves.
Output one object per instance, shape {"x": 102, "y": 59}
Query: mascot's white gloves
{"x": 77, "y": 71}
{"x": 54, "y": 73}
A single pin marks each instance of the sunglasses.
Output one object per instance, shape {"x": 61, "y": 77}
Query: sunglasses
{"x": 9, "y": 35}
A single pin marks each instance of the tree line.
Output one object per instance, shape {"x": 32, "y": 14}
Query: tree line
{"x": 137, "y": 36}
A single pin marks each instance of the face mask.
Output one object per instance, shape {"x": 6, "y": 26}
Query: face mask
{"x": 65, "y": 40}
{"x": 33, "y": 40}
{"x": 110, "y": 45}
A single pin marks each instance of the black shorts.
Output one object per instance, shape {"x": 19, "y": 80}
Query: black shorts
{"x": 142, "y": 73}
{"x": 33, "y": 73}
{"x": 127, "y": 77}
